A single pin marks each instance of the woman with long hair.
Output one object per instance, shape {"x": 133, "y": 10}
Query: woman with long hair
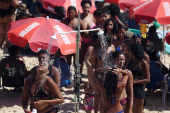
{"x": 140, "y": 70}
{"x": 42, "y": 90}
{"x": 118, "y": 42}
{"x": 99, "y": 59}
{"x": 110, "y": 28}
{"x": 7, "y": 15}
{"x": 111, "y": 88}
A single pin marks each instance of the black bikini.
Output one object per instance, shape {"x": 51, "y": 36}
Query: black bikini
{"x": 40, "y": 93}
{"x": 138, "y": 89}
{"x": 4, "y": 12}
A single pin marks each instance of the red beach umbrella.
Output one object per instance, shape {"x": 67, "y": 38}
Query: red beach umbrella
{"x": 126, "y": 4}
{"x": 38, "y": 31}
{"x": 50, "y": 5}
{"x": 112, "y": 1}
{"x": 147, "y": 11}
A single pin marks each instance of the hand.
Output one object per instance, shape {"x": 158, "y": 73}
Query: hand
{"x": 116, "y": 71}
{"x": 39, "y": 105}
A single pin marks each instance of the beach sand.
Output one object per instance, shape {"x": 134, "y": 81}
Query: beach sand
{"x": 10, "y": 101}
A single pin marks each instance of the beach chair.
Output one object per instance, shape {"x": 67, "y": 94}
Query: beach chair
{"x": 12, "y": 71}
{"x": 64, "y": 70}
{"x": 155, "y": 75}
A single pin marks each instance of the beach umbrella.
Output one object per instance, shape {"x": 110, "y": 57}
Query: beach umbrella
{"x": 112, "y": 1}
{"x": 147, "y": 11}
{"x": 51, "y": 4}
{"x": 126, "y": 4}
{"x": 38, "y": 31}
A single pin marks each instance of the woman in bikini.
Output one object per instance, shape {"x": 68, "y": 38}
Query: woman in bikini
{"x": 118, "y": 42}
{"x": 111, "y": 88}
{"x": 110, "y": 27}
{"x": 125, "y": 100}
{"x": 42, "y": 90}
{"x": 140, "y": 70}
{"x": 7, "y": 15}
{"x": 72, "y": 22}
{"x": 99, "y": 58}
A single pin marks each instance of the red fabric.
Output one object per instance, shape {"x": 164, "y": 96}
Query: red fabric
{"x": 38, "y": 31}
{"x": 50, "y": 5}
{"x": 167, "y": 38}
{"x": 147, "y": 11}
{"x": 126, "y": 4}
{"x": 112, "y": 1}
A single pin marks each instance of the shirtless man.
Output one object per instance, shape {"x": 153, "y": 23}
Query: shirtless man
{"x": 97, "y": 61}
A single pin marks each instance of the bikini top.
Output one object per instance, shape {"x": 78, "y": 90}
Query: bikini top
{"x": 7, "y": 11}
{"x": 137, "y": 71}
{"x": 41, "y": 92}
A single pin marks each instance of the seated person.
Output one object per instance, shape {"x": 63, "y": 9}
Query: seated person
{"x": 13, "y": 57}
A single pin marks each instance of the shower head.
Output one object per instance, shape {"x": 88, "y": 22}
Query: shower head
{"x": 54, "y": 36}
{"x": 100, "y": 32}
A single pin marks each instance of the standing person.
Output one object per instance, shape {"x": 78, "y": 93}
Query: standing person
{"x": 88, "y": 99}
{"x": 111, "y": 28}
{"x": 7, "y": 15}
{"x": 105, "y": 16}
{"x": 72, "y": 22}
{"x": 97, "y": 17}
{"x": 126, "y": 100}
{"x": 98, "y": 58}
{"x": 41, "y": 89}
{"x": 87, "y": 23}
{"x": 118, "y": 42}
{"x": 87, "y": 58}
{"x": 140, "y": 70}
{"x": 111, "y": 88}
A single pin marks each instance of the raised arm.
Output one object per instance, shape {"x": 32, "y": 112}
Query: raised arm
{"x": 146, "y": 73}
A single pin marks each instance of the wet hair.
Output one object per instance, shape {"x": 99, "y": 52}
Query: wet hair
{"x": 85, "y": 1}
{"x": 95, "y": 37}
{"x": 108, "y": 39}
{"x": 12, "y": 50}
{"x": 127, "y": 42}
{"x": 137, "y": 50}
{"x": 97, "y": 12}
{"x": 117, "y": 53}
{"x": 136, "y": 36}
{"x": 115, "y": 26}
{"x": 43, "y": 51}
{"x": 59, "y": 9}
{"x": 114, "y": 9}
{"x": 152, "y": 29}
{"x": 71, "y": 8}
{"x": 106, "y": 11}
{"x": 110, "y": 85}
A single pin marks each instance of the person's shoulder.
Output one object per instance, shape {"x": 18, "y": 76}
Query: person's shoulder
{"x": 49, "y": 80}
{"x": 29, "y": 80}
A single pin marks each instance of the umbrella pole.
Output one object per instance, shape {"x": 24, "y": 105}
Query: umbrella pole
{"x": 164, "y": 44}
{"x": 77, "y": 69}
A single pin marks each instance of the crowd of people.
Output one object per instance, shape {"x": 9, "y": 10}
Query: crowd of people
{"x": 117, "y": 65}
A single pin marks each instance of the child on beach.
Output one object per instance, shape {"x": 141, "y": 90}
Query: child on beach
{"x": 88, "y": 99}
